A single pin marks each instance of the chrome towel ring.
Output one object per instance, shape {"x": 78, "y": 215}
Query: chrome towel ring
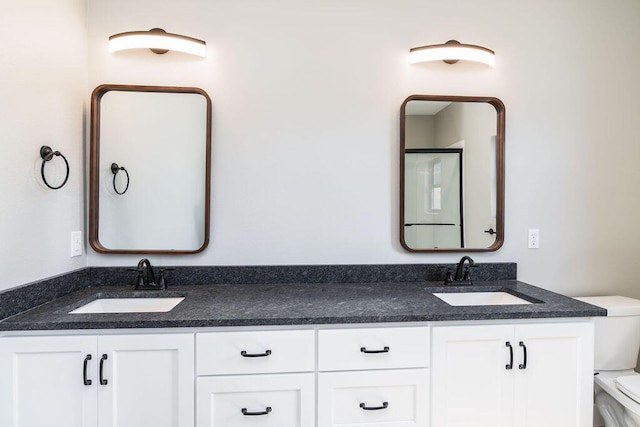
{"x": 115, "y": 169}
{"x": 47, "y": 154}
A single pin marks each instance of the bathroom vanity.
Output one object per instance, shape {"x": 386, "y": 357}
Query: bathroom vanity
{"x": 325, "y": 354}
{"x": 455, "y": 375}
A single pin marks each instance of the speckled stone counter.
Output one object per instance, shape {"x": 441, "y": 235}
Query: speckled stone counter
{"x": 257, "y": 304}
{"x": 28, "y": 296}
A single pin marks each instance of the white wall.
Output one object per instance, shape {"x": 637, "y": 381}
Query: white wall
{"x": 43, "y": 86}
{"x": 306, "y": 97}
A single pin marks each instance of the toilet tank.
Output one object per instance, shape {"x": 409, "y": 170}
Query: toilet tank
{"x": 617, "y": 336}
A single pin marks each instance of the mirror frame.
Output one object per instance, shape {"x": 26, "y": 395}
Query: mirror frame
{"x": 500, "y": 149}
{"x": 94, "y": 162}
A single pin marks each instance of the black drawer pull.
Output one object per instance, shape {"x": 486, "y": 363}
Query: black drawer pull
{"x": 102, "y": 380}
{"x": 84, "y": 370}
{"x": 247, "y": 413}
{"x": 384, "y": 350}
{"x": 265, "y": 354}
{"x": 364, "y": 407}
{"x": 510, "y": 365}
{"x": 523, "y": 365}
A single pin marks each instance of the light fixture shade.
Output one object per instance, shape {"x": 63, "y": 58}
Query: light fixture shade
{"x": 158, "y": 41}
{"x": 451, "y": 52}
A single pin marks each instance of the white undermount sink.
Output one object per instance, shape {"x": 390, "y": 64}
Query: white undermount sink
{"x": 129, "y": 305}
{"x": 480, "y": 298}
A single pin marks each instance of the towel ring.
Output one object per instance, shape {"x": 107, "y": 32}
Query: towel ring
{"x": 47, "y": 154}
{"x": 115, "y": 169}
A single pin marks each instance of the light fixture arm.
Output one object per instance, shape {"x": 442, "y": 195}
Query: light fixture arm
{"x": 155, "y": 50}
{"x": 451, "y": 43}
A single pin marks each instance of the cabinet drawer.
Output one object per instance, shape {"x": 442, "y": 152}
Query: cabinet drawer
{"x": 256, "y": 400}
{"x": 221, "y": 353}
{"x": 376, "y": 348}
{"x": 378, "y": 398}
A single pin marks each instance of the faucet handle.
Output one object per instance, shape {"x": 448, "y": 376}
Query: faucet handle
{"x": 449, "y": 277}
{"x": 140, "y": 279}
{"x": 161, "y": 281}
{"x": 467, "y": 273}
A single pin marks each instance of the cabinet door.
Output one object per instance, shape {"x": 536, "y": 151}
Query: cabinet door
{"x": 42, "y": 382}
{"x": 149, "y": 380}
{"x": 471, "y": 385}
{"x": 393, "y": 398}
{"x": 284, "y": 400}
{"x": 555, "y": 388}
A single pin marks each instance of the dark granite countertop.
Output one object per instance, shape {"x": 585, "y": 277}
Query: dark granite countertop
{"x": 298, "y": 304}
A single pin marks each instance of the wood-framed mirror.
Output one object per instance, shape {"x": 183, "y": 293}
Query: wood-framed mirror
{"x": 150, "y": 170}
{"x": 452, "y": 173}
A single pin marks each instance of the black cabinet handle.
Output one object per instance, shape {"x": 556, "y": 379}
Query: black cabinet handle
{"x": 384, "y": 350}
{"x": 247, "y": 413}
{"x": 510, "y": 364}
{"x": 102, "y": 380}
{"x": 84, "y": 370}
{"x": 523, "y": 365}
{"x": 364, "y": 407}
{"x": 265, "y": 354}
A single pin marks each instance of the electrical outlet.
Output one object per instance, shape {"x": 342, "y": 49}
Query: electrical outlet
{"x": 76, "y": 243}
{"x": 534, "y": 238}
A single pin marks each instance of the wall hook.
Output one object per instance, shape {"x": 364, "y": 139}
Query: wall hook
{"x": 47, "y": 154}
{"x": 115, "y": 169}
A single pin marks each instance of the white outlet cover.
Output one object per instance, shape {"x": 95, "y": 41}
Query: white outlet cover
{"x": 533, "y": 241}
{"x": 76, "y": 243}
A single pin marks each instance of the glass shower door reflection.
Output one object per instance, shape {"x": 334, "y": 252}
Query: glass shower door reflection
{"x": 433, "y": 198}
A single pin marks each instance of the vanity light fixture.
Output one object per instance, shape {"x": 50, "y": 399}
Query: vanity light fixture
{"x": 452, "y": 52}
{"x": 158, "y": 40}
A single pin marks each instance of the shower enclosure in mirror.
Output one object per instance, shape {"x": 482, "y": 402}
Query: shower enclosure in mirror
{"x": 451, "y": 173}
{"x": 149, "y": 169}
{"x": 433, "y": 194}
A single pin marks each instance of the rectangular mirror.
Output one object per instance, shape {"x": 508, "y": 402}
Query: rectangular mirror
{"x": 149, "y": 169}
{"x": 451, "y": 173}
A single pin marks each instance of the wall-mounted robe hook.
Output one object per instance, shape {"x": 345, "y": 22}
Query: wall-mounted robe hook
{"x": 47, "y": 154}
{"x": 115, "y": 169}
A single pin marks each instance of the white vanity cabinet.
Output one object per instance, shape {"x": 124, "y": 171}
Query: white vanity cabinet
{"x": 480, "y": 376}
{"x": 404, "y": 375}
{"x": 262, "y": 378}
{"x": 373, "y": 377}
{"x": 103, "y": 381}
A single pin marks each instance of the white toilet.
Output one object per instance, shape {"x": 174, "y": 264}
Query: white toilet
{"x": 617, "y": 341}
